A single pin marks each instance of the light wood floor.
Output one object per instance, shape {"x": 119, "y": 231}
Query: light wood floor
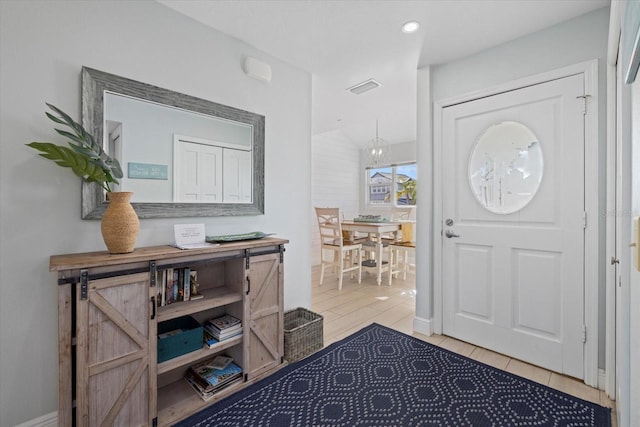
{"x": 359, "y": 305}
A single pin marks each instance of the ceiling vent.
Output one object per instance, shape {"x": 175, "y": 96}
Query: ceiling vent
{"x": 364, "y": 86}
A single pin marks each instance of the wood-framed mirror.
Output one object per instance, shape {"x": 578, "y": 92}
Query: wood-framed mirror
{"x": 182, "y": 156}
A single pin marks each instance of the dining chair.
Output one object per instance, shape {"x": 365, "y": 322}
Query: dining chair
{"x": 398, "y": 214}
{"x": 346, "y": 254}
{"x": 399, "y": 258}
{"x": 404, "y": 245}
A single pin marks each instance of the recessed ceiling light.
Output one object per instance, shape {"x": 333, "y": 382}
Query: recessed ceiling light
{"x": 410, "y": 27}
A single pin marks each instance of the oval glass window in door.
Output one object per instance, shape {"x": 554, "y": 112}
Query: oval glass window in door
{"x": 506, "y": 167}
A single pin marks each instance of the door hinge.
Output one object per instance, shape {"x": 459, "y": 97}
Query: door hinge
{"x": 84, "y": 284}
{"x": 584, "y": 102}
{"x": 584, "y": 220}
{"x": 584, "y": 333}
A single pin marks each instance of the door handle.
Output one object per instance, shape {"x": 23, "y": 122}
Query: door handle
{"x": 451, "y": 234}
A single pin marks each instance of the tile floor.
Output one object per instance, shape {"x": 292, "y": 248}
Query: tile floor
{"x": 358, "y": 305}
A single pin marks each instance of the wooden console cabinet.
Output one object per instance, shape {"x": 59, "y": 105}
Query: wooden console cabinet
{"x": 107, "y": 328}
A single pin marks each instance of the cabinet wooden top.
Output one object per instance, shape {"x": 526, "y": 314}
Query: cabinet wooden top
{"x": 104, "y": 258}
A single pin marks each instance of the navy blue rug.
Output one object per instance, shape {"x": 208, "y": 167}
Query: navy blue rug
{"x": 381, "y": 377}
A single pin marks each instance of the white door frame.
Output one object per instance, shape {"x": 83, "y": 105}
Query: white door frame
{"x": 592, "y": 191}
{"x": 611, "y": 275}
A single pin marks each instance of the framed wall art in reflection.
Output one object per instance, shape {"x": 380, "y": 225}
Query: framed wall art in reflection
{"x": 147, "y": 171}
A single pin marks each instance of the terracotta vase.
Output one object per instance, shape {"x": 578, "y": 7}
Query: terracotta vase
{"x": 120, "y": 224}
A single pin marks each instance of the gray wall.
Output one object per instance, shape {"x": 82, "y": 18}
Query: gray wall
{"x": 581, "y": 39}
{"x": 43, "y": 45}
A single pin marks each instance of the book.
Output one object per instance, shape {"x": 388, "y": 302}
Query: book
{"x": 181, "y": 284}
{"x": 163, "y": 287}
{"x": 186, "y": 283}
{"x": 193, "y": 280}
{"x": 204, "y": 394}
{"x": 209, "y": 340}
{"x": 175, "y": 284}
{"x": 222, "y": 337}
{"x": 223, "y": 327}
{"x": 221, "y": 362}
{"x": 210, "y": 378}
{"x": 226, "y": 331}
{"x": 169, "y": 286}
{"x": 225, "y": 322}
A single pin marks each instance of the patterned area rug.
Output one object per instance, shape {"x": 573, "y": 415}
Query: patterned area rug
{"x": 381, "y": 377}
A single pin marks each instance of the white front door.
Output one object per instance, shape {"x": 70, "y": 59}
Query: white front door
{"x": 513, "y": 206}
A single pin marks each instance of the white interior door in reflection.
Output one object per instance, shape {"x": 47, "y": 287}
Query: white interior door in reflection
{"x": 198, "y": 173}
{"x": 506, "y": 167}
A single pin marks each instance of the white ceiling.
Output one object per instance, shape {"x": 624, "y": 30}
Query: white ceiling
{"x": 344, "y": 42}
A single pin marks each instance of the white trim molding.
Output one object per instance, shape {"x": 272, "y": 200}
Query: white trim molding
{"x": 611, "y": 225}
{"x": 592, "y": 263}
{"x": 48, "y": 420}
{"x": 602, "y": 379}
{"x": 611, "y": 274}
{"x": 423, "y": 326}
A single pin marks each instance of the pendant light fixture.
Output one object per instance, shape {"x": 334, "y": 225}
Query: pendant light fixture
{"x": 377, "y": 150}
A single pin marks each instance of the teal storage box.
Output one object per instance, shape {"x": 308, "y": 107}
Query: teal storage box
{"x": 178, "y": 336}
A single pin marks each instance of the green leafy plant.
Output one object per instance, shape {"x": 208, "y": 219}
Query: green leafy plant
{"x": 409, "y": 191}
{"x": 84, "y": 156}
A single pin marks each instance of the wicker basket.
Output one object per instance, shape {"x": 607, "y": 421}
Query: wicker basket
{"x": 302, "y": 333}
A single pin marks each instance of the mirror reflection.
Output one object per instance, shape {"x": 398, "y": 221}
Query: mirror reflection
{"x": 182, "y": 156}
{"x": 506, "y": 167}
{"x": 173, "y": 155}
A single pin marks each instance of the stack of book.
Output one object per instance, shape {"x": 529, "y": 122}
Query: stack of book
{"x": 223, "y": 327}
{"x": 176, "y": 284}
{"x": 210, "y": 376}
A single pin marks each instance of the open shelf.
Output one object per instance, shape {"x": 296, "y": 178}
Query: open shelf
{"x": 178, "y": 400}
{"x": 194, "y": 356}
{"x": 213, "y": 297}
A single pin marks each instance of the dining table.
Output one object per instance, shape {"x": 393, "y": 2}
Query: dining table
{"x": 374, "y": 230}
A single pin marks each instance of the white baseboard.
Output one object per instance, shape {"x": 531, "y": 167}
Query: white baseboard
{"x": 602, "y": 379}
{"x": 48, "y": 420}
{"x": 423, "y": 326}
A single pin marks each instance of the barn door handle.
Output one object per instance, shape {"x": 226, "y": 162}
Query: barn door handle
{"x": 451, "y": 234}
{"x": 153, "y": 306}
